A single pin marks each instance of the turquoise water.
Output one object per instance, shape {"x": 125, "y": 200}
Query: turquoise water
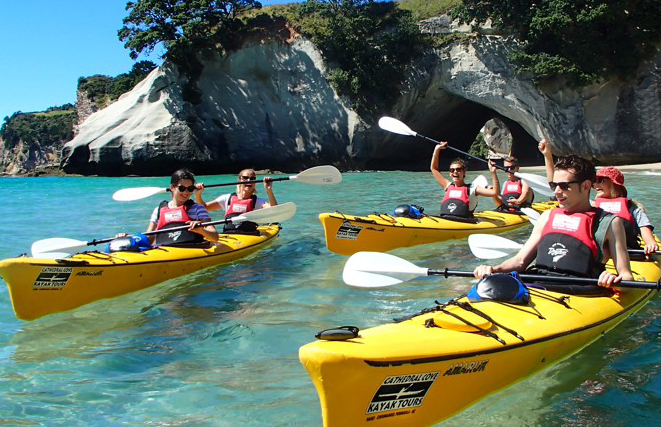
{"x": 220, "y": 347}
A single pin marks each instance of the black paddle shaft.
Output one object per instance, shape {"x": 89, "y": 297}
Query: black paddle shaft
{"x": 557, "y": 279}
{"x": 252, "y": 181}
{"x": 164, "y": 230}
{"x": 463, "y": 152}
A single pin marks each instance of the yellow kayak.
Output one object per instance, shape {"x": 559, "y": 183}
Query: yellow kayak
{"x": 348, "y": 234}
{"x": 425, "y": 369}
{"x": 40, "y": 286}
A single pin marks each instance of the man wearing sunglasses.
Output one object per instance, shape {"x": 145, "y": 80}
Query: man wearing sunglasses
{"x": 243, "y": 200}
{"x": 460, "y": 198}
{"x": 516, "y": 193}
{"x": 575, "y": 238}
{"x": 181, "y": 210}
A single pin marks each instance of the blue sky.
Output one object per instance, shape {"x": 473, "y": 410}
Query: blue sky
{"x": 48, "y": 44}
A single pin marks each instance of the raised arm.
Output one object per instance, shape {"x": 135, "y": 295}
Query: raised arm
{"x": 495, "y": 187}
{"x": 211, "y": 206}
{"x": 442, "y": 180}
{"x": 545, "y": 148}
{"x": 268, "y": 186}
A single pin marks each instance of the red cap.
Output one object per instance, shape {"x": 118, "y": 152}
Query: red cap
{"x": 613, "y": 174}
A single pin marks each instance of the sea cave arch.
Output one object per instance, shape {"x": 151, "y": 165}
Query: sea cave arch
{"x": 457, "y": 122}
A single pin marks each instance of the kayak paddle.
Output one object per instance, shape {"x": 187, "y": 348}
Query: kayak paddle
{"x": 318, "y": 175}
{"x": 536, "y": 182}
{"x": 489, "y": 246}
{"x": 376, "y": 269}
{"x": 59, "y": 247}
{"x": 532, "y": 214}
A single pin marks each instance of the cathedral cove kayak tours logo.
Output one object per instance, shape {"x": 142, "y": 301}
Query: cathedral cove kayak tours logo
{"x": 557, "y": 251}
{"x": 399, "y": 392}
{"x": 348, "y": 231}
{"x": 52, "y": 278}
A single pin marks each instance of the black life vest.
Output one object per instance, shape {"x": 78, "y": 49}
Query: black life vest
{"x": 168, "y": 217}
{"x": 573, "y": 244}
{"x": 456, "y": 201}
{"x": 237, "y": 207}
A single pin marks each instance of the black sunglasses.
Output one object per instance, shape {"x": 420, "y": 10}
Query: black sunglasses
{"x": 456, "y": 169}
{"x": 564, "y": 186}
{"x": 247, "y": 178}
{"x": 511, "y": 167}
{"x": 183, "y": 188}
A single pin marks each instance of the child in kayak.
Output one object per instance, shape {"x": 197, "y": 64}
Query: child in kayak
{"x": 575, "y": 238}
{"x": 516, "y": 193}
{"x": 181, "y": 210}
{"x": 459, "y": 200}
{"x": 243, "y": 200}
{"x": 612, "y": 197}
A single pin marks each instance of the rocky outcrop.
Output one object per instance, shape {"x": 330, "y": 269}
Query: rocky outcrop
{"x": 265, "y": 106}
{"x": 28, "y": 159}
{"x": 268, "y": 105}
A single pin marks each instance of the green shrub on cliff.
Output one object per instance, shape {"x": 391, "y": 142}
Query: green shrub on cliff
{"x": 47, "y": 128}
{"x": 367, "y": 45}
{"x": 102, "y": 89}
{"x": 582, "y": 40}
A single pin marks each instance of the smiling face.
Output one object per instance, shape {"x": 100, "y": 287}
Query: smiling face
{"x": 512, "y": 167}
{"x": 457, "y": 173}
{"x": 180, "y": 197}
{"x": 604, "y": 187}
{"x": 575, "y": 195}
{"x": 246, "y": 175}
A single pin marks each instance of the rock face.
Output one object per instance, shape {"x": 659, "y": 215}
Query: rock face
{"x": 265, "y": 106}
{"x": 28, "y": 159}
{"x": 269, "y": 105}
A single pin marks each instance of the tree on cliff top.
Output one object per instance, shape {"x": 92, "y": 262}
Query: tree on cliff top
{"x": 582, "y": 40}
{"x": 181, "y": 25}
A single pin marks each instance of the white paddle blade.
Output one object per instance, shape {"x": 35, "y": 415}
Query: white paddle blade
{"x": 319, "y": 175}
{"x": 480, "y": 181}
{"x": 375, "y": 270}
{"x": 395, "y": 126}
{"x": 277, "y": 213}
{"x": 56, "y": 247}
{"x": 136, "y": 193}
{"x": 532, "y": 215}
{"x": 536, "y": 182}
{"x": 488, "y": 246}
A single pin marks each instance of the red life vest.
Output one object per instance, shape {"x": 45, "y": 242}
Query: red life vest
{"x": 568, "y": 244}
{"x": 456, "y": 201}
{"x": 512, "y": 190}
{"x": 174, "y": 217}
{"x": 620, "y": 206}
{"x": 237, "y": 207}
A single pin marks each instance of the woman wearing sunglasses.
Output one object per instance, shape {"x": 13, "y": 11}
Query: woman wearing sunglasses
{"x": 459, "y": 200}
{"x": 181, "y": 210}
{"x": 516, "y": 193}
{"x": 243, "y": 200}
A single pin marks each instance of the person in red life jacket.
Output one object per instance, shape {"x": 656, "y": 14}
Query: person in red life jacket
{"x": 516, "y": 193}
{"x": 612, "y": 197}
{"x": 243, "y": 200}
{"x": 181, "y": 210}
{"x": 575, "y": 238}
{"x": 459, "y": 200}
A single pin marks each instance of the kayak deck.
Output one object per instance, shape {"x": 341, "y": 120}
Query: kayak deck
{"x": 38, "y": 287}
{"x": 347, "y": 234}
{"x": 424, "y": 369}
